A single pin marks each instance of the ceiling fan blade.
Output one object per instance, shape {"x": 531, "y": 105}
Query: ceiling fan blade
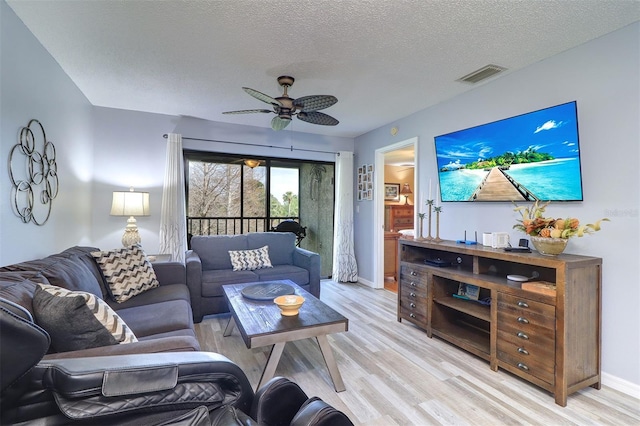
{"x": 248, "y": 111}
{"x": 278, "y": 123}
{"x": 262, "y": 97}
{"x": 317, "y": 118}
{"x": 314, "y": 102}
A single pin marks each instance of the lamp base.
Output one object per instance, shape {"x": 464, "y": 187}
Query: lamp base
{"x": 131, "y": 236}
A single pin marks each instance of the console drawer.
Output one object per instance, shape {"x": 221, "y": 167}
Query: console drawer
{"x": 414, "y": 315}
{"x": 417, "y": 305}
{"x": 413, "y": 273}
{"x": 539, "y": 363}
{"x": 524, "y": 312}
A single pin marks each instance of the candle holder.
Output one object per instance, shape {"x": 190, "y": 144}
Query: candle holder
{"x": 430, "y": 204}
{"x": 437, "y": 239}
{"x": 420, "y": 224}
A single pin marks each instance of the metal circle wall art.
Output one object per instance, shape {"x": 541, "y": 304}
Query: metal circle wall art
{"x": 34, "y": 174}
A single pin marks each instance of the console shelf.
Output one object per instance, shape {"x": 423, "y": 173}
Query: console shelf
{"x": 468, "y": 307}
{"x": 466, "y": 337}
{"x": 551, "y": 340}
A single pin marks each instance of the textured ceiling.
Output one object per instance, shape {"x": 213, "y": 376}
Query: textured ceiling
{"x": 382, "y": 59}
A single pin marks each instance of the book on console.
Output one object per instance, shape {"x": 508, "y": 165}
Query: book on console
{"x": 468, "y": 291}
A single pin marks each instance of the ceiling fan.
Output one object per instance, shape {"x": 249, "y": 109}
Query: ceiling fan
{"x": 306, "y": 107}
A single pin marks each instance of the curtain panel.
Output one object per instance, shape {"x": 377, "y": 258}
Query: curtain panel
{"x": 173, "y": 226}
{"x": 345, "y": 268}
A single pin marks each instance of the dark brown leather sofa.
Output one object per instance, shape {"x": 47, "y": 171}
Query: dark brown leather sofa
{"x": 182, "y": 388}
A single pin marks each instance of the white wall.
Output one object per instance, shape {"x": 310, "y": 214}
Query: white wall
{"x": 33, "y": 86}
{"x": 130, "y": 151}
{"x": 603, "y": 76}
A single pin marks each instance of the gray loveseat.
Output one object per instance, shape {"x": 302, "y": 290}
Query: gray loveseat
{"x": 161, "y": 318}
{"x": 209, "y": 267}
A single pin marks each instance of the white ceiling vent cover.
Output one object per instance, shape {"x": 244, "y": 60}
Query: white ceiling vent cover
{"x": 482, "y": 74}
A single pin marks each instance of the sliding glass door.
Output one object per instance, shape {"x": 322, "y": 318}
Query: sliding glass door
{"x": 229, "y": 195}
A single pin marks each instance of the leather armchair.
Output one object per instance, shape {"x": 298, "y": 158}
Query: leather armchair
{"x": 176, "y": 388}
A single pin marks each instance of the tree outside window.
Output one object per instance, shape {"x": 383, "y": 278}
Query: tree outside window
{"x": 229, "y": 197}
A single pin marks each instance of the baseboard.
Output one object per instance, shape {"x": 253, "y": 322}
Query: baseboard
{"x": 621, "y": 385}
{"x": 366, "y": 282}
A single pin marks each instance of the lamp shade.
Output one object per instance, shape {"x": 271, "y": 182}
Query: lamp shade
{"x": 251, "y": 163}
{"x": 130, "y": 203}
{"x": 405, "y": 189}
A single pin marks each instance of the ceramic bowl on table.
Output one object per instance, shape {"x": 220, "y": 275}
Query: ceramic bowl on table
{"x": 289, "y": 304}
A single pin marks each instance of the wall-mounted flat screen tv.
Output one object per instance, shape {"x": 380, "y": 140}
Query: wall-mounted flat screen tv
{"x": 533, "y": 156}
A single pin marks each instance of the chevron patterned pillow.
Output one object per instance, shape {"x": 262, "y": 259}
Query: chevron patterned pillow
{"x": 78, "y": 320}
{"x": 248, "y": 260}
{"x": 127, "y": 271}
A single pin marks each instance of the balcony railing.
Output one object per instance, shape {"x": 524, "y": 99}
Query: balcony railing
{"x": 232, "y": 225}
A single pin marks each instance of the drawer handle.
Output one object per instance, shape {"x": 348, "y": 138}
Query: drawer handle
{"x": 523, "y": 304}
{"x": 413, "y": 305}
{"x": 523, "y": 351}
{"x": 412, "y": 315}
{"x": 522, "y": 335}
{"x": 414, "y": 273}
{"x": 523, "y": 320}
{"x": 522, "y": 366}
{"x": 413, "y": 284}
{"x": 412, "y": 295}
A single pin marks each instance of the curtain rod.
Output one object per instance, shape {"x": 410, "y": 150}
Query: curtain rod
{"x": 291, "y": 148}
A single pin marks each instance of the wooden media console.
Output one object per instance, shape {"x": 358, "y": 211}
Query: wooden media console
{"x": 551, "y": 340}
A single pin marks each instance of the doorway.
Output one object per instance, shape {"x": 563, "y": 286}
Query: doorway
{"x": 381, "y": 211}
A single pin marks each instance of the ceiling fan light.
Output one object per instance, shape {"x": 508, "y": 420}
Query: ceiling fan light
{"x": 251, "y": 163}
{"x": 285, "y": 113}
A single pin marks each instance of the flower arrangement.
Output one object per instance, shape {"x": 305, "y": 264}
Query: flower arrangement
{"x": 534, "y": 223}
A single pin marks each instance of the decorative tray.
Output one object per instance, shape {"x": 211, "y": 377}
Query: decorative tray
{"x": 266, "y": 291}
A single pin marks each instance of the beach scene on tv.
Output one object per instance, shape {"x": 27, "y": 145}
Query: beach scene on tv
{"x": 534, "y": 156}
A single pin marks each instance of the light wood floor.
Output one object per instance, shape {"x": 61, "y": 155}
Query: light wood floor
{"x": 396, "y": 375}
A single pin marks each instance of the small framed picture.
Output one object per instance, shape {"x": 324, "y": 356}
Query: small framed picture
{"x": 392, "y": 192}
{"x": 365, "y": 182}
{"x": 468, "y": 291}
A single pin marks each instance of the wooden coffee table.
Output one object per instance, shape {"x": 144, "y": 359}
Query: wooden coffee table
{"x": 261, "y": 324}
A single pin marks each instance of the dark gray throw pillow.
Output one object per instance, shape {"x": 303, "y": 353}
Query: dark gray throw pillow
{"x": 78, "y": 320}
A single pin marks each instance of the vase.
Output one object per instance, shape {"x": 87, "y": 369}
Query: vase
{"x": 549, "y": 246}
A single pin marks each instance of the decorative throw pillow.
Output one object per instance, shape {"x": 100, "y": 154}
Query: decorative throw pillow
{"x": 248, "y": 260}
{"x": 127, "y": 271}
{"x": 77, "y": 319}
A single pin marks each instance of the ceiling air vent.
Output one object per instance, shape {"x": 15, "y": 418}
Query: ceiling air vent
{"x": 482, "y": 74}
